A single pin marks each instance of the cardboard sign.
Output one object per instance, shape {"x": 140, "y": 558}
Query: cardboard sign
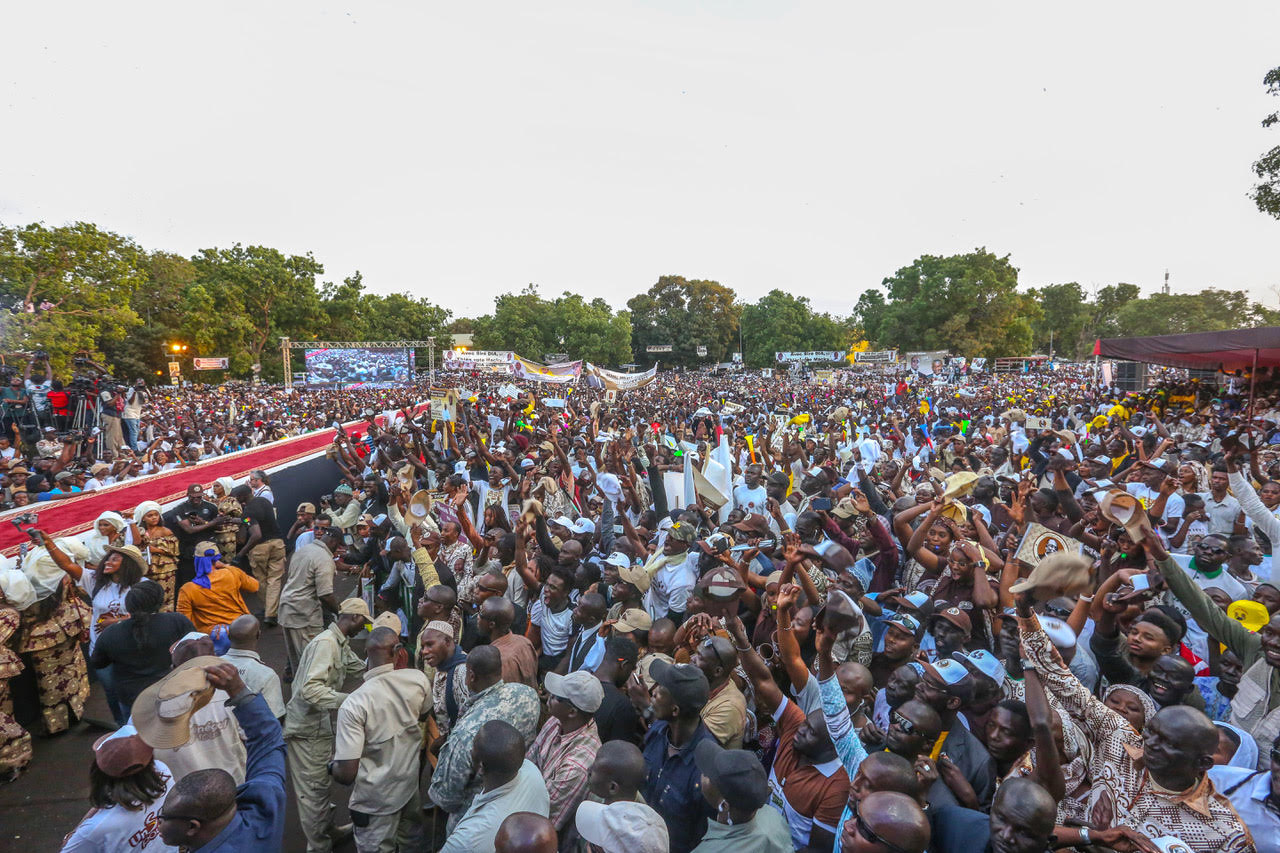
{"x": 444, "y": 404}
{"x": 1039, "y": 542}
{"x": 611, "y": 396}
{"x": 1038, "y": 423}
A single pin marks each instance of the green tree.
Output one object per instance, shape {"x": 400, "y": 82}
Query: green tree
{"x": 531, "y": 326}
{"x": 1104, "y": 311}
{"x": 968, "y": 304}
{"x": 685, "y": 313}
{"x": 1062, "y": 319}
{"x": 259, "y": 294}
{"x": 70, "y": 289}
{"x": 1266, "y": 194}
{"x": 1175, "y": 313}
{"x": 781, "y": 322}
{"x": 869, "y": 315}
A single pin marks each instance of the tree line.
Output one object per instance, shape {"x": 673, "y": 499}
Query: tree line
{"x": 79, "y": 290}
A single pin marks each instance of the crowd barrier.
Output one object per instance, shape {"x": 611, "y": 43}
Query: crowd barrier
{"x": 282, "y": 460}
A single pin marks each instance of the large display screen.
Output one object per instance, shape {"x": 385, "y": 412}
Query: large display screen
{"x": 358, "y": 367}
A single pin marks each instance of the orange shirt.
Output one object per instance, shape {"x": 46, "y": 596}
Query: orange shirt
{"x": 221, "y": 603}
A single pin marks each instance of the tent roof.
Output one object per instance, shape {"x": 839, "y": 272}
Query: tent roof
{"x": 1233, "y": 349}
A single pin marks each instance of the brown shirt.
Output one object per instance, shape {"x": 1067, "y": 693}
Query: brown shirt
{"x": 519, "y": 660}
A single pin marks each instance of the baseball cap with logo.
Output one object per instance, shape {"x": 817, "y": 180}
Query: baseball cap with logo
{"x": 905, "y": 622}
{"x": 633, "y": 619}
{"x": 949, "y": 671}
{"x": 753, "y": 522}
{"x": 983, "y": 661}
{"x": 618, "y": 560}
{"x": 956, "y": 617}
{"x": 722, "y": 583}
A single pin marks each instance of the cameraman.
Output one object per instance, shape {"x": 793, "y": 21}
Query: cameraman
{"x": 111, "y": 405}
{"x": 134, "y": 399}
{"x": 38, "y": 388}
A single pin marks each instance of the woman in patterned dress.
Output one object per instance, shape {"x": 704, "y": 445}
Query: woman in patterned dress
{"x": 161, "y": 546}
{"x": 225, "y": 535}
{"x": 51, "y": 630}
{"x": 15, "y": 741}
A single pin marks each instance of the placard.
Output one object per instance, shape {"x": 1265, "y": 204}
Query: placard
{"x": 1039, "y": 542}
{"x": 210, "y": 363}
{"x": 1038, "y": 423}
{"x": 658, "y": 348}
{"x": 884, "y": 356}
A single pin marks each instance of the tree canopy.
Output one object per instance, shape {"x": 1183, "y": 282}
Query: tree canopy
{"x": 1266, "y": 194}
{"x": 684, "y": 313}
{"x": 534, "y": 327}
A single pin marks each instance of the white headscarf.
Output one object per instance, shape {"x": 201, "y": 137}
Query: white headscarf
{"x": 1246, "y": 754}
{"x": 43, "y": 573}
{"x": 141, "y": 510}
{"x": 96, "y": 542}
{"x": 17, "y": 589}
{"x": 227, "y": 484}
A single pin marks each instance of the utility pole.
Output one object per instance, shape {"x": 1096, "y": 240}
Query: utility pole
{"x": 287, "y": 361}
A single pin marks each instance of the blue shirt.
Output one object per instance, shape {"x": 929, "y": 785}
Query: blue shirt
{"x": 845, "y": 737}
{"x": 259, "y": 820}
{"x": 1249, "y": 801}
{"x": 674, "y": 786}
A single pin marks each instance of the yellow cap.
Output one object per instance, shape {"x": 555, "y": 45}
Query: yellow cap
{"x": 1248, "y": 613}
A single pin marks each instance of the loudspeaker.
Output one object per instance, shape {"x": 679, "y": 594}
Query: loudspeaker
{"x": 1131, "y": 375}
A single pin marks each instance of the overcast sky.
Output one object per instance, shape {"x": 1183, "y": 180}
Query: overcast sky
{"x": 462, "y": 150}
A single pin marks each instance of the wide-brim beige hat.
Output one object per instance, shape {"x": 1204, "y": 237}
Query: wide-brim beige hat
{"x": 1062, "y": 573}
{"x": 130, "y": 552}
{"x": 1125, "y": 510}
{"x": 420, "y": 504}
{"x": 162, "y": 712}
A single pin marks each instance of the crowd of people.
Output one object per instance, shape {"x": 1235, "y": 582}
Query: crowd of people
{"x": 893, "y": 614}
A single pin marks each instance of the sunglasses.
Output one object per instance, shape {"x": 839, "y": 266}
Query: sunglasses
{"x": 904, "y": 725}
{"x": 870, "y": 834}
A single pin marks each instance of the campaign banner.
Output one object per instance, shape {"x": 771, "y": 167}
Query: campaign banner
{"x": 554, "y": 374}
{"x": 884, "y": 356}
{"x": 444, "y": 404}
{"x": 210, "y": 363}
{"x": 817, "y": 355}
{"x": 614, "y": 381}
{"x": 658, "y": 348}
{"x": 824, "y": 377}
{"x": 496, "y": 361}
{"x": 926, "y": 363}
{"x": 978, "y": 365}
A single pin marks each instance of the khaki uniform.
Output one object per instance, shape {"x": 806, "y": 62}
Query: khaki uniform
{"x": 310, "y": 577}
{"x": 378, "y": 724}
{"x": 308, "y": 730}
{"x": 267, "y": 562}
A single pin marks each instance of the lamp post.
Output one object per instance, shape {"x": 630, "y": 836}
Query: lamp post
{"x": 174, "y": 351}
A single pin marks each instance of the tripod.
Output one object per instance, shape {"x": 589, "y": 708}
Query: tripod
{"x": 85, "y": 416}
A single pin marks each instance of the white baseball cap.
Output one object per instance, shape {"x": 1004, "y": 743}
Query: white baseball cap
{"x": 623, "y": 827}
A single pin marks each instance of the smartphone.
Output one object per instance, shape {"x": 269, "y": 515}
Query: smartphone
{"x": 820, "y": 504}
{"x": 1140, "y": 582}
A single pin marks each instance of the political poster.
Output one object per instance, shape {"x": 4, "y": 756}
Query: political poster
{"x": 815, "y": 355}
{"x": 210, "y": 363}
{"x": 1039, "y": 542}
{"x": 884, "y": 356}
{"x": 926, "y": 363}
{"x": 658, "y": 348}
{"x": 614, "y": 381}
{"x": 553, "y": 374}
{"x": 494, "y": 361}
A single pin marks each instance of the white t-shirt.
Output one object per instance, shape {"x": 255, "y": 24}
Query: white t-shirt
{"x": 556, "y": 627}
{"x": 116, "y": 828}
{"x": 216, "y": 741}
{"x": 1173, "y": 507}
{"x": 108, "y": 602}
{"x": 750, "y": 500}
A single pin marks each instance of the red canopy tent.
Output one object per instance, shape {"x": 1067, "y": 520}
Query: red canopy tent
{"x": 1231, "y": 350}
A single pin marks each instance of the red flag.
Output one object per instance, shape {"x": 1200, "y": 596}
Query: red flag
{"x": 1097, "y": 346}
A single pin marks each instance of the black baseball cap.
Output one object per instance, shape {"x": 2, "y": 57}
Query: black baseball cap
{"x": 685, "y": 682}
{"x": 737, "y": 774}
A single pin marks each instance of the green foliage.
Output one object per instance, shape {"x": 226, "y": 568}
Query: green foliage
{"x": 968, "y": 304}
{"x": 780, "y": 322}
{"x": 1063, "y": 313}
{"x": 1267, "y": 192}
{"x": 685, "y": 314}
{"x": 84, "y": 278}
{"x": 869, "y": 314}
{"x": 531, "y": 326}
{"x": 1175, "y": 313}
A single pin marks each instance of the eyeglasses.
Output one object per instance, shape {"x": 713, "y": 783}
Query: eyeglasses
{"x": 870, "y": 834}
{"x": 906, "y": 726}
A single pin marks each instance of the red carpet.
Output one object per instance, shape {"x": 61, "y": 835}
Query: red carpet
{"x": 76, "y": 514}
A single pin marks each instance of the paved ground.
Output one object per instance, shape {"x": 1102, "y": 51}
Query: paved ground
{"x": 50, "y": 798}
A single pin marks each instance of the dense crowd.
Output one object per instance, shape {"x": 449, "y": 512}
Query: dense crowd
{"x": 969, "y": 612}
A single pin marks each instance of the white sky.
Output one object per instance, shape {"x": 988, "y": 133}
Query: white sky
{"x": 461, "y": 150}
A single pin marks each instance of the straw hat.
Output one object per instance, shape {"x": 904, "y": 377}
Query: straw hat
{"x": 405, "y": 476}
{"x": 958, "y": 485}
{"x": 131, "y": 553}
{"x": 420, "y": 504}
{"x": 162, "y": 712}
